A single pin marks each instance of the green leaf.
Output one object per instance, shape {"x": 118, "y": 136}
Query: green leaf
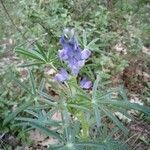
{"x": 47, "y": 131}
{"x": 46, "y": 96}
{"x": 123, "y": 94}
{"x": 31, "y": 113}
{"x": 57, "y": 147}
{"x": 90, "y": 144}
{"x": 95, "y": 87}
{"x": 12, "y": 115}
{"x": 115, "y": 120}
{"x": 31, "y": 64}
{"x": 97, "y": 115}
{"x": 94, "y": 101}
{"x": 92, "y": 43}
{"x": 31, "y": 54}
{"x": 78, "y": 107}
{"x": 21, "y": 84}
{"x": 40, "y": 122}
{"x": 41, "y": 51}
{"x": 84, "y": 39}
{"x": 41, "y": 86}
{"x": 32, "y": 82}
{"x": 126, "y": 105}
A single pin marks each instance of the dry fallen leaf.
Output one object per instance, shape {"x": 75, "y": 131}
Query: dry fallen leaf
{"x": 146, "y": 50}
{"x": 36, "y": 136}
{"x": 57, "y": 116}
{"x": 120, "y": 48}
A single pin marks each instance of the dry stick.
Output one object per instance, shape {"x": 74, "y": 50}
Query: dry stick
{"x": 131, "y": 137}
{"x": 139, "y": 134}
{"x": 136, "y": 146}
{"x": 6, "y": 11}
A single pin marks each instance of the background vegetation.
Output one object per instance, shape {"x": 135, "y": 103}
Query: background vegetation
{"x": 114, "y": 114}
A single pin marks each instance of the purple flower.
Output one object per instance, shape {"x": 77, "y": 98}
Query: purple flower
{"x": 63, "y": 54}
{"x": 85, "y": 54}
{"x": 85, "y": 83}
{"x": 61, "y": 76}
{"x": 72, "y": 53}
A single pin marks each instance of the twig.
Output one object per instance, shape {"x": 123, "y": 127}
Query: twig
{"x": 131, "y": 137}
{"x": 136, "y": 139}
{"x": 136, "y": 146}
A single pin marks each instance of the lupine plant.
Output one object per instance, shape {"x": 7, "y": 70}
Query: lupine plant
{"x": 84, "y": 106}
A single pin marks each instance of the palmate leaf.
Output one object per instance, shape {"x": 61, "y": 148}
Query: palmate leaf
{"x": 31, "y": 54}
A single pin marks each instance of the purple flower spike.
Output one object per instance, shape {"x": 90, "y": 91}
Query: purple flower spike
{"x": 85, "y": 83}
{"x": 85, "y": 54}
{"x": 61, "y": 76}
{"x": 63, "y": 54}
{"x": 71, "y": 53}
